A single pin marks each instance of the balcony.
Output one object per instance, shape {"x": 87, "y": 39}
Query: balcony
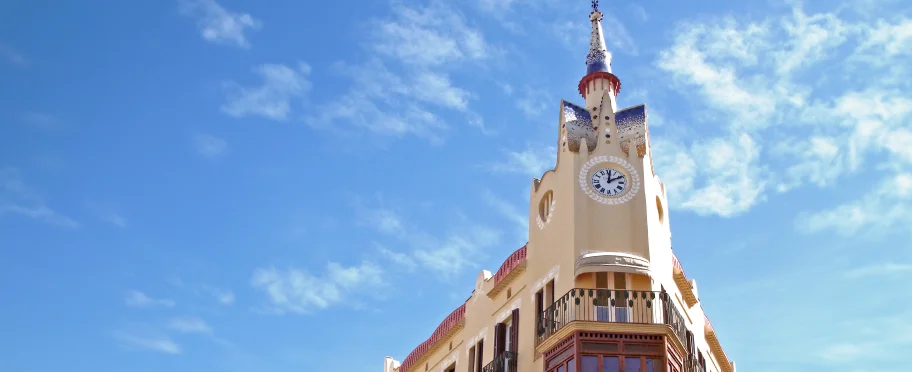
{"x": 611, "y": 306}
{"x": 505, "y": 362}
{"x": 693, "y": 365}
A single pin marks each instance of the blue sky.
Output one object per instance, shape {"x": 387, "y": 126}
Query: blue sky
{"x": 199, "y": 185}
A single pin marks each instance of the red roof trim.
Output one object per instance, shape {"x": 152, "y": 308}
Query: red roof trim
{"x": 442, "y": 330}
{"x": 518, "y": 257}
{"x": 515, "y": 259}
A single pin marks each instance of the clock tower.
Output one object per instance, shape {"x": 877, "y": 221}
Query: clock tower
{"x": 597, "y": 287}
{"x": 601, "y": 209}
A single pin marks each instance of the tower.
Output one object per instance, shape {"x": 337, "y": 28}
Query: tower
{"x": 597, "y": 287}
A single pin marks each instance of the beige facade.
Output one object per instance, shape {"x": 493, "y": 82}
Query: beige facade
{"x": 597, "y": 287}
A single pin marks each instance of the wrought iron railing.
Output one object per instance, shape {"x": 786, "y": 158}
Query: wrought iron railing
{"x": 693, "y": 365}
{"x": 612, "y": 306}
{"x": 505, "y": 362}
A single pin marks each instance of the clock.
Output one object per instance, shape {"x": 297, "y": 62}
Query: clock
{"x": 608, "y": 181}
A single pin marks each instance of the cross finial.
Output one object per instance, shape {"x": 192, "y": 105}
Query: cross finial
{"x": 595, "y": 5}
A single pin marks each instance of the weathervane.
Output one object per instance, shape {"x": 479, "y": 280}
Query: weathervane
{"x": 595, "y": 5}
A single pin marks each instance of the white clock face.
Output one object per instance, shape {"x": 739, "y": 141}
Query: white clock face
{"x": 608, "y": 181}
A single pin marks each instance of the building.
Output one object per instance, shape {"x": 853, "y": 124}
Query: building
{"x": 597, "y": 287}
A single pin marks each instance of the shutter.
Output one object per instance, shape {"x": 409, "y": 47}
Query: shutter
{"x": 499, "y": 332}
{"x": 479, "y": 356}
{"x": 539, "y": 310}
{"x": 514, "y": 331}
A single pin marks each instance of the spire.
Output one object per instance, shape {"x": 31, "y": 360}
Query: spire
{"x": 599, "y": 58}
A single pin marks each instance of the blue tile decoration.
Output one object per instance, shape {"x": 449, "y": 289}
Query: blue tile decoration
{"x": 631, "y": 127}
{"x": 577, "y": 126}
{"x": 598, "y": 59}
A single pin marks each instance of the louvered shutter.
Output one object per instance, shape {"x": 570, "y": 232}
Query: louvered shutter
{"x": 500, "y": 330}
{"x": 540, "y": 329}
{"x": 514, "y": 331}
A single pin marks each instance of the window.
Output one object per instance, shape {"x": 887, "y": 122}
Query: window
{"x": 472, "y": 359}
{"x": 479, "y": 353}
{"x": 544, "y": 298}
{"x": 451, "y": 368}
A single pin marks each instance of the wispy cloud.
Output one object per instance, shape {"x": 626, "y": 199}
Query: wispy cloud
{"x": 224, "y": 297}
{"x": 510, "y": 212}
{"x": 219, "y": 25}
{"x": 160, "y": 344}
{"x": 19, "y": 199}
{"x": 273, "y": 98}
{"x": 532, "y": 161}
{"x": 446, "y": 255}
{"x": 12, "y": 56}
{"x": 41, "y": 120}
{"x": 405, "y": 80}
{"x": 766, "y": 110}
{"x": 189, "y": 325}
{"x": 884, "y": 269}
{"x": 136, "y": 298}
{"x": 298, "y": 291}
{"x": 210, "y": 146}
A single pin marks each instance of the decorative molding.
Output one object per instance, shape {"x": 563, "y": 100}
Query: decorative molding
{"x": 506, "y": 312}
{"x": 554, "y": 273}
{"x": 448, "y": 361}
{"x": 634, "y": 178}
{"x": 481, "y": 336}
{"x": 579, "y": 325}
{"x": 538, "y": 220}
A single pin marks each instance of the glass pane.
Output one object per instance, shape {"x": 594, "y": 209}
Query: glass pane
{"x": 611, "y": 364}
{"x": 653, "y": 365}
{"x": 560, "y": 369}
{"x": 571, "y": 365}
{"x": 598, "y": 347}
{"x": 632, "y": 365}
{"x": 590, "y": 364}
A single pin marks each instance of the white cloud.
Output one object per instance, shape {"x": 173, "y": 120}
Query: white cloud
{"x": 41, "y": 120}
{"x": 12, "y": 56}
{"x": 445, "y": 255}
{"x": 533, "y": 161}
{"x": 17, "y": 198}
{"x": 770, "y": 85}
{"x": 272, "y": 99}
{"x": 406, "y": 76}
{"x": 298, "y": 291}
{"x": 401, "y": 259}
{"x": 883, "y": 269}
{"x": 887, "y": 206}
{"x": 509, "y": 211}
{"x": 136, "y": 298}
{"x": 219, "y": 25}
{"x": 210, "y": 146}
{"x": 222, "y": 296}
{"x": 159, "y": 344}
{"x": 189, "y": 325}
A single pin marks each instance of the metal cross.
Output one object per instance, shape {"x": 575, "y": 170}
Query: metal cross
{"x": 595, "y": 5}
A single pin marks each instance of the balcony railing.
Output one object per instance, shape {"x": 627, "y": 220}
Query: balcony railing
{"x": 611, "y": 306}
{"x": 692, "y": 365}
{"x": 505, "y": 362}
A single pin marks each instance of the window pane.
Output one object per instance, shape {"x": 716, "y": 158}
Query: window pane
{"x": 611, "y": 364}
{"x": 560, "y": 369}
{"x": 653, "y": 365}
{"x": 590, "y": 364}
{"x": 632, "y": 365}
{"x": 571, "y": 365}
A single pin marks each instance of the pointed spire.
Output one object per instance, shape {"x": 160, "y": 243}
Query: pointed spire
{"x": 599, "y": 58}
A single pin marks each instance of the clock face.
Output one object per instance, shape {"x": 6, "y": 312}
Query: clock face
{"x": 608, "y": 181}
